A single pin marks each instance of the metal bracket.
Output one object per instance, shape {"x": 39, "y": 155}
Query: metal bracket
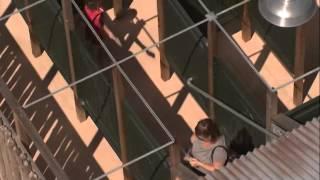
{"x": 211, "y": 16}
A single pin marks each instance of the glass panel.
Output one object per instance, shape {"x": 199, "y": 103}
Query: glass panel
{"x": 84, "y": 149}
{"x": 281, "y": 41}
{"x": 231, "y": 73}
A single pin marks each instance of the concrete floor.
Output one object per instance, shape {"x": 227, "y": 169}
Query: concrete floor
{"x": 101, "y": 158}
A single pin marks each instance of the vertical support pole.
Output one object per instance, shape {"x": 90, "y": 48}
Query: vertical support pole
{"x": 212, "y": 52}
{"x": 68, "y": 15}
{"x": 118, "y": 7}
{"x": 299, "y": 64}
{"x": 246, "y": 25}
{"x": 175, "y": 159}
{"x": 36, "y": 47}
{"x": 69, "y": 26}
{"x": 272, "y": 109}
{"x": 119, "y": 101}
{"x": 166, "y": 72}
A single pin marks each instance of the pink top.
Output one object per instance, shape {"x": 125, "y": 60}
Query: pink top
{"x": 94, "y": 16}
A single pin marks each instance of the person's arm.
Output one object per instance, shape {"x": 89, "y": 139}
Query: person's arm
{"x": 210, "y": 167}
{"x": 219, "y": 157}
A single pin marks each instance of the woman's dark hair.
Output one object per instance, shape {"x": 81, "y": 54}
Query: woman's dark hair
{"x": 207, "y": 129}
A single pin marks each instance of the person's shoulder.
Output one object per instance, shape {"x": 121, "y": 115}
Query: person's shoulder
{"x": 221, "y": 141}
{"x": 193, "y": 138}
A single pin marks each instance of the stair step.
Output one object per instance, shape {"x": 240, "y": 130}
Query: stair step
{"x": 296, "y": 161}
{"x": 285, "y": 173}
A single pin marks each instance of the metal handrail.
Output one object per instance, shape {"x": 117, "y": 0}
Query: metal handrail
{"x": 21, "y": 10}
{"x": 315, "y": 70}
{"x": 213, "y": 17}
{"x": 228, "y": 108}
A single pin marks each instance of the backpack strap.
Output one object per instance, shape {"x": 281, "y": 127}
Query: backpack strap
{"x": 100, "y": 12}
{"x": 97, "y": 15}
{"x": 223, "y": 147}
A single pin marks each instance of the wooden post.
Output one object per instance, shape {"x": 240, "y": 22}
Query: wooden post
{"x": 119, "y": 101}
{"x": 32, "y": 132}
{"x": 68, "y": 14}
{"x": 271, "y": 109}
{"x": 212, "y": 52}
{"x": 175, "y": 159}
{"x": 299, "y": 64}
{"x": 246, "y": 25}
{"x": 68, "y": 25}
{"x": 36, "y": 47}
{"x": 166, "y": 72}
{"x": 118, "y": 7}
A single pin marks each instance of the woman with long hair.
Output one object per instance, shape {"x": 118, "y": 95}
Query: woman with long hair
{"x": 208, "y": 147}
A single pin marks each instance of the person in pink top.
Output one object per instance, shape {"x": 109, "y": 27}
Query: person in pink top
{"x": 95, "y": 12}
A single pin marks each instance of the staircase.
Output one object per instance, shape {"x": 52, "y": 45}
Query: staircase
{"x": 15, "y": 161}
{"x": 293, "y": 156}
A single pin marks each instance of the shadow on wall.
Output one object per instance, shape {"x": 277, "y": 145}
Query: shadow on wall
{"x": 167, "y": 113}
{"x": 127, "y": 31}
{"x": 47, "y": 117}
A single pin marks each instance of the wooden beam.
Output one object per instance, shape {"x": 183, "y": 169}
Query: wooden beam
{"x": 68, "y": 14}
{"x": 299, "y": 64}
{"x": 22, "y": 135}
{"x": 285, "y": 122}
{"x": 271, "y": 109}
{"x": 166, "y": 71}
{"x": 36, "y": 47}
{"x": 118, "y": 90}
{"x": 118, "y": 7}
{"x": 68, "y": 26}
{"x": 175, "y": 160}
{"x": 246, "y": 25}
{"x": 212, "y": 39}
{"x": 32, "y": 132}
